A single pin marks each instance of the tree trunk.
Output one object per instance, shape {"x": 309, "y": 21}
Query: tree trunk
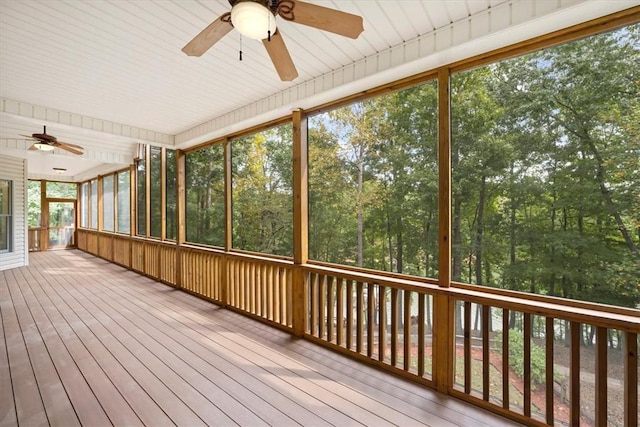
{"x": 389, "y": 241}
{"x": 479, "y": 229}
{"x": 399, "y": 251}
{"x": 609, "y": 200}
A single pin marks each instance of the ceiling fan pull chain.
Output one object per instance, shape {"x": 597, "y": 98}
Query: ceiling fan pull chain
{"x": 268, "y": 26}
{"x": 240, "y": 47}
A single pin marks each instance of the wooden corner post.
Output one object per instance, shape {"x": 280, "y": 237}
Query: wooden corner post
{"x": 181, "y": 208}
{"x": 228, "y": 223}
{"x": 300, "y": 221}
{"x": 443, "y": 344}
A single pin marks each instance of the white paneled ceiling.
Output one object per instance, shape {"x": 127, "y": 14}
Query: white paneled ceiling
{"x": 107, "y": 74}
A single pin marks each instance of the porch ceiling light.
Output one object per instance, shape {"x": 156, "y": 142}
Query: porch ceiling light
{"x": 43, "y": 147}
{"x": 59, "y": 171}
{"x": 253, "y": 19}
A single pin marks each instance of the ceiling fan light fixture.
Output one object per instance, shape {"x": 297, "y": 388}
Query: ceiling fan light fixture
{"x": 43, "y": 147}
{"x": 254, "y": 20}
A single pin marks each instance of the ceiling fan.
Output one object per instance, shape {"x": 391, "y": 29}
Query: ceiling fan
{"x": 256, "y": 19}
{"x": 46, "y": 142}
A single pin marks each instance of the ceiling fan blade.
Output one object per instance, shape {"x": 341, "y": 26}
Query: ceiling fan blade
{"x": 70, "y": 145}
{"x": 65, "y": 147}
{"x": 27, "y": 136}
{"x": 323, "y": 18}
{"x": 280, "y": 57}
{"x": 209, "y": 36}
{"x": 33, "y": 148}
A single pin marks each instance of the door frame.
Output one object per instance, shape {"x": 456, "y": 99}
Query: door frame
{"x": 46, "y": 223}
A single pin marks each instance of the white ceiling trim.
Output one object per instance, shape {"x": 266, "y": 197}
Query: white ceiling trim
{"x": 50, "y": 115}
{"x": 103, "y": 156}
{"x": 490, "y": 29}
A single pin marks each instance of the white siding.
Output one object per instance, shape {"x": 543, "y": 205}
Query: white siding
{"x": 15, "y": 170}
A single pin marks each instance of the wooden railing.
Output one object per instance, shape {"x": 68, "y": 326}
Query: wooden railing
{"x": 202, "y": 273}
{"x": 386, "y": 321}
{"x": 531, "y": 358}
{"x": 261, "y": 287}
{"x": 582, "y": 388}
{"x": 35, "y": 237}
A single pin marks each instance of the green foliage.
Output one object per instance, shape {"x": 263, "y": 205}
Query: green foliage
{"x": 516, "y": 356}
{"x": 262, "y": 192}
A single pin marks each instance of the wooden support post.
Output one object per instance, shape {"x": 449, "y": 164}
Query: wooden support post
{"x": 147, "y": 190}
{"x": 228, "y": 225}
{"x": 443, "y": 332}
{"x": 44, "y": 216}
{"x": 300, "y": 221}
{"x": 163, "y": 194}
{"x": 100, "y": 203}
{"x": 181, "y": 214}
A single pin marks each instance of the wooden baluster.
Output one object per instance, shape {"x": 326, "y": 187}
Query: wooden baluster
{"x": 314, "y": 304}
{"x": 340, "y": 311}
{"x": 527, "y": 364}
{"x": 631, "y": 379}
{"x": 359, "y": 315}
{"x": 505, "y": 359}
{"x": 330, "y": 308}
{"x": 288, "y": 295}
{"x": 407, "y": 330}
{"x": 394, "y": 326}
{"x": 322, "y": 306}
{"x": 486, "y": 317}
{"x": 253, "y": 288}
{"x": 370, "y": 316}
{"x": 549, "y": 343}
{"x": 574, "y": 373}
{"x": 350, "y": 309}
{"x": 601, "y": 376}
{"x": 268, "y": 298}
{"x": 421, "y": 333}
{"x": 382, "y": 323}
{"x": 467, "y": 347}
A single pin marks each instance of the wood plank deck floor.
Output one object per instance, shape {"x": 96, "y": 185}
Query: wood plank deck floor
{"x": 86, "y": 342}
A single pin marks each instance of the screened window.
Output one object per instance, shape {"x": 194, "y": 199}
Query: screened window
{"x": 205, "y": 196}
{"x": 84, "y": 205}
{"x": 61, "y": 190}
{"x": 108, "y": 212}
{"x": 124, "y": 202}
{"x": 545, "y": 181}
{"x": 155, "y": 195}
{"x": 373, "y": 183}
{"x": 6, "y": 223}
{"x": 34, "y": 201}
{"x": 262, "y": 191}
{"x": 94, "y": 203}
{"x": 171, "y": 194}
{"x": 141, "y": 197}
